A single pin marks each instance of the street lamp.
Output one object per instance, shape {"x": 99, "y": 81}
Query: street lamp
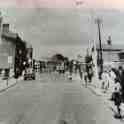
{"x": 100, "y": 59}
{"x": 92, "y": 43}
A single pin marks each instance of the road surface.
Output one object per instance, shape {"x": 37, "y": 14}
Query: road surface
{"x": 53, "y": 100}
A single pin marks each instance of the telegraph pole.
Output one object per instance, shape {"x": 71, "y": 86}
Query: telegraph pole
{"x": 100, "y": 61}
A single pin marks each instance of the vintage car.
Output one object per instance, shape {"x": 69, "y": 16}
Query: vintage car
{"x": 29, "y": 74}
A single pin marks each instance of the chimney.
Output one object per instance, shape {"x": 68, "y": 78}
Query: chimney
{"x": 5, "y": 28}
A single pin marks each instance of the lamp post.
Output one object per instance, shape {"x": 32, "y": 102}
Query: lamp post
{"x": 92, "y": 43}
{"x": 100, "y": 60}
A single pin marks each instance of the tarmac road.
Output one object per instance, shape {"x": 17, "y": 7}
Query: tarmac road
{"x": 49, "y": 101}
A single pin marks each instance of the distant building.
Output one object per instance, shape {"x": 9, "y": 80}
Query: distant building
{"x": 111, "y": 53}
{"x": 121, "y": 56}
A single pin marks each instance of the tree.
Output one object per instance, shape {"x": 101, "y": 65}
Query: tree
{"x": 58, "y": 57}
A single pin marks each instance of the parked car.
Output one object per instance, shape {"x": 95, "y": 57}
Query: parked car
{"x": 29, "y": 74}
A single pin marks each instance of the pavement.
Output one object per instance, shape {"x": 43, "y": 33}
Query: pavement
{"x": 96, "y": 89}
{"x": 6, "y": 84}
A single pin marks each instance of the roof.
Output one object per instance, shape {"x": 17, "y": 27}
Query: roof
{"x": 14, "y": 37}
{"x": 113, "y": 47}
{"x": 10, "y": 35}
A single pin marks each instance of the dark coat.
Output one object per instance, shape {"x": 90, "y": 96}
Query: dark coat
{"x": 121, "y": 78}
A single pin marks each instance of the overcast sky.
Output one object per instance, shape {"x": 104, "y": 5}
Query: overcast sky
{"x": 58, "y": 24}
{"x": 118, "y": 4}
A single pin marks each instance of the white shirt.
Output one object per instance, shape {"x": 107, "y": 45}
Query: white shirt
{"x": 112, "y": 75}
{"x": 105, "y": 76}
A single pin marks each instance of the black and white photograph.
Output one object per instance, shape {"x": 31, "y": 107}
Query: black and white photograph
{"x": 61, "y": 62}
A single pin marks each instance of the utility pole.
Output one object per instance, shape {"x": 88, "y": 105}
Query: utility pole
{"x": 100, "y": 61}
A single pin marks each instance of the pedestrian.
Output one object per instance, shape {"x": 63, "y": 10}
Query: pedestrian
{"x": 112, "y": 76}
{"x": 117, "y": 97}
{"x": 105, "y": 81}
{"x": 90, "y": 74}
{"x": 80, "y": 68}
{"x": 70, "y": 70}
{"x": 89, "y": 65}
{"x": 85, "y": 76}
{"x": 121, "y": 79}
{"x": 62, "y": 67}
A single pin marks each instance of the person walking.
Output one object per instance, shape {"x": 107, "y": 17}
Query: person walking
{"x": 112, "y": 78}
{"x": 80, "y": 68}
{"x": 70, "y": 70}
{"x": 117, "y": 97}
{"x": 121, "y": 79}
{"x": 85, "y": 74}
{"x": 89, "y": 65}
{"x": 105, "y": 81}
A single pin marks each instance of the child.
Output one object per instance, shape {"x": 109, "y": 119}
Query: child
{"x": 117, "y": 96}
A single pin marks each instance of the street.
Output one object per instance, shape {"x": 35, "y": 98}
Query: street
{"x": 53, "y": 100}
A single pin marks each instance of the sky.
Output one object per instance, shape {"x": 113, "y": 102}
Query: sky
{"x": 62, "y": 3}
{"x": 64, "y": 26}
